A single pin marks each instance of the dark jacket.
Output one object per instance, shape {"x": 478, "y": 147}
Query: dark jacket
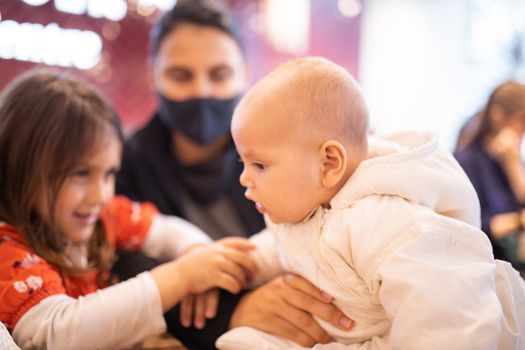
{"x": 492, "y": 186}
{"x": 150, "y": 173}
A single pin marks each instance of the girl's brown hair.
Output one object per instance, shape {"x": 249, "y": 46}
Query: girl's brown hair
{"x": 49, "y": 122}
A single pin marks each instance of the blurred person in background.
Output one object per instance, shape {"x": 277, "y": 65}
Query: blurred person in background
{"x": 489, "y": 150}
{"x": 184, "y": 162}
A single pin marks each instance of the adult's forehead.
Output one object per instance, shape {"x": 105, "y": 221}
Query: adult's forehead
{"x": 207, "y": 42}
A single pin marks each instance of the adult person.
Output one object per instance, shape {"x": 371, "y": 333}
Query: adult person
{"x": 184, "y": 162}
{"x": 490, "y": 154}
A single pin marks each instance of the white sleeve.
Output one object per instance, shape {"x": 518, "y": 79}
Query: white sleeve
{"x": 170, "y": 236}
{"x": 438, "y": 290}
{"x": 110, "y": 318}
{"x": 266, "y": 257}
{"x": 6, "y": 342}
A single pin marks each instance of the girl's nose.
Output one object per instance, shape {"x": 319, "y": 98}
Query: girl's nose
{"x": 101, "y": 192}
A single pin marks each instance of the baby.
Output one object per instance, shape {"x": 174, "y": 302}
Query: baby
{"x": 388, "y": 227}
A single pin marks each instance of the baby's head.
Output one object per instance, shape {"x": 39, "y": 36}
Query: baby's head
{"x": 301, "y": 132}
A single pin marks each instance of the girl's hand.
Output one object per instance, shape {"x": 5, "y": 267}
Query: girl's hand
{"x": 226, "y": 264}
{"x": 199, "y": 307}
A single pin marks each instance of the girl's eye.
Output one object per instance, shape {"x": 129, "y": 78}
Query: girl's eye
{"x": 112, "y": 173}
{"x": 83, "y": 173}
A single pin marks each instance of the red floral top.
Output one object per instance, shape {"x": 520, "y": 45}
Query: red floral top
{"x": 26, "y": 278}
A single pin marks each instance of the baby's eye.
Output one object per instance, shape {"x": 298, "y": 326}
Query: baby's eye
{"x": 259, "y": 166}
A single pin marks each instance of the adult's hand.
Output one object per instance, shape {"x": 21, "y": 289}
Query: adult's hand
{"x": 285, "y": 307}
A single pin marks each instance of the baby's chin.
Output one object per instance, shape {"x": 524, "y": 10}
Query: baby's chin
{"x": 279, "y": 220}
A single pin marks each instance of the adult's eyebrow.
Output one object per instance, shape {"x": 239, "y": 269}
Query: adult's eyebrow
{"x": 221, "y": 66}
{"x": 177, "y": 69}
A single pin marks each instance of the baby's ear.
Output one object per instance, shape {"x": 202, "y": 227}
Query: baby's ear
{"x": 334, "y": 163}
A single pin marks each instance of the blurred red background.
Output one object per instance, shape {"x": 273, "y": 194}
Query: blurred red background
{"x": 122, "y": 73}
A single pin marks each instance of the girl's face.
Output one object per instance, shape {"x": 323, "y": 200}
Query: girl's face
{"x": 87, "y": 190}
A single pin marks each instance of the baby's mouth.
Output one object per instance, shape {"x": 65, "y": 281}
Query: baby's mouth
{"x": 260, "y": 208}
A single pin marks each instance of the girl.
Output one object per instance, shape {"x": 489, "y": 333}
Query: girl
{"x": 60, "y": 147}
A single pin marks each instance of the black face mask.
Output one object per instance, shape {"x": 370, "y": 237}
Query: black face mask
{"x": 203, "y": 120}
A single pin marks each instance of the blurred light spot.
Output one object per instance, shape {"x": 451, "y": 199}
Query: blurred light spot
{"x": 349, "y": 8}
{"x": 35, "y": 2}
{"x": 163, "y": 5}
{"x": 111, "y": 31}
{"x": 145, "y": 10}
{"x": 76, "y": 7}
{"x": 51, "y": 45}
{"x": 105, "y": 75}
{"x": 287, "y": 25}
{"x": 114, "y": 10}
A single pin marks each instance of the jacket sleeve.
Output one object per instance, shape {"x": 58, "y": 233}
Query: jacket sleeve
{"x": 6, "y": 342}
{"x": 266, "y": 257}
{"x": 438, "y": 289}
{"x": 110, "y": 318}
{"x": 170, "y": 236}
{"x": 128, "y": 223}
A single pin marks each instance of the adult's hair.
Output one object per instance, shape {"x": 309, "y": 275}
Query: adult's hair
{"x": 48, "y": 124}
{"x": 206, "y": 13}
{"x": 509, "y": 96}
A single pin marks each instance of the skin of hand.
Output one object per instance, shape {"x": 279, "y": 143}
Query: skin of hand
{"x": 502, "y": 225}
{"x": 505, "y": 146}
{"x": 284, "y": 307}
{"x": 522, "y": 218}
{"x": 202, "y": 268}
{"x": 199, "y": 307}
{"x": 202, "y": 306}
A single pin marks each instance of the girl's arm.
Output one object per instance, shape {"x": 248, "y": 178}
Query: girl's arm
{"x": 111, "y": 318}
{"x": 170, "y": 236}
{"x": 132, "y": 310}
{"x": 6, "y": 342}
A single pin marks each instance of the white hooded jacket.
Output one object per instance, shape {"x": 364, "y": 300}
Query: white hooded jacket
{"x": 400, "y": 251}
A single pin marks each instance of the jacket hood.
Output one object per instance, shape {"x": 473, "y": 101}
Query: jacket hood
{"x": 413, "y": 167}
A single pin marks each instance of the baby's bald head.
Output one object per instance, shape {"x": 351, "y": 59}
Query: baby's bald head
{"x": 313, "y": 98}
